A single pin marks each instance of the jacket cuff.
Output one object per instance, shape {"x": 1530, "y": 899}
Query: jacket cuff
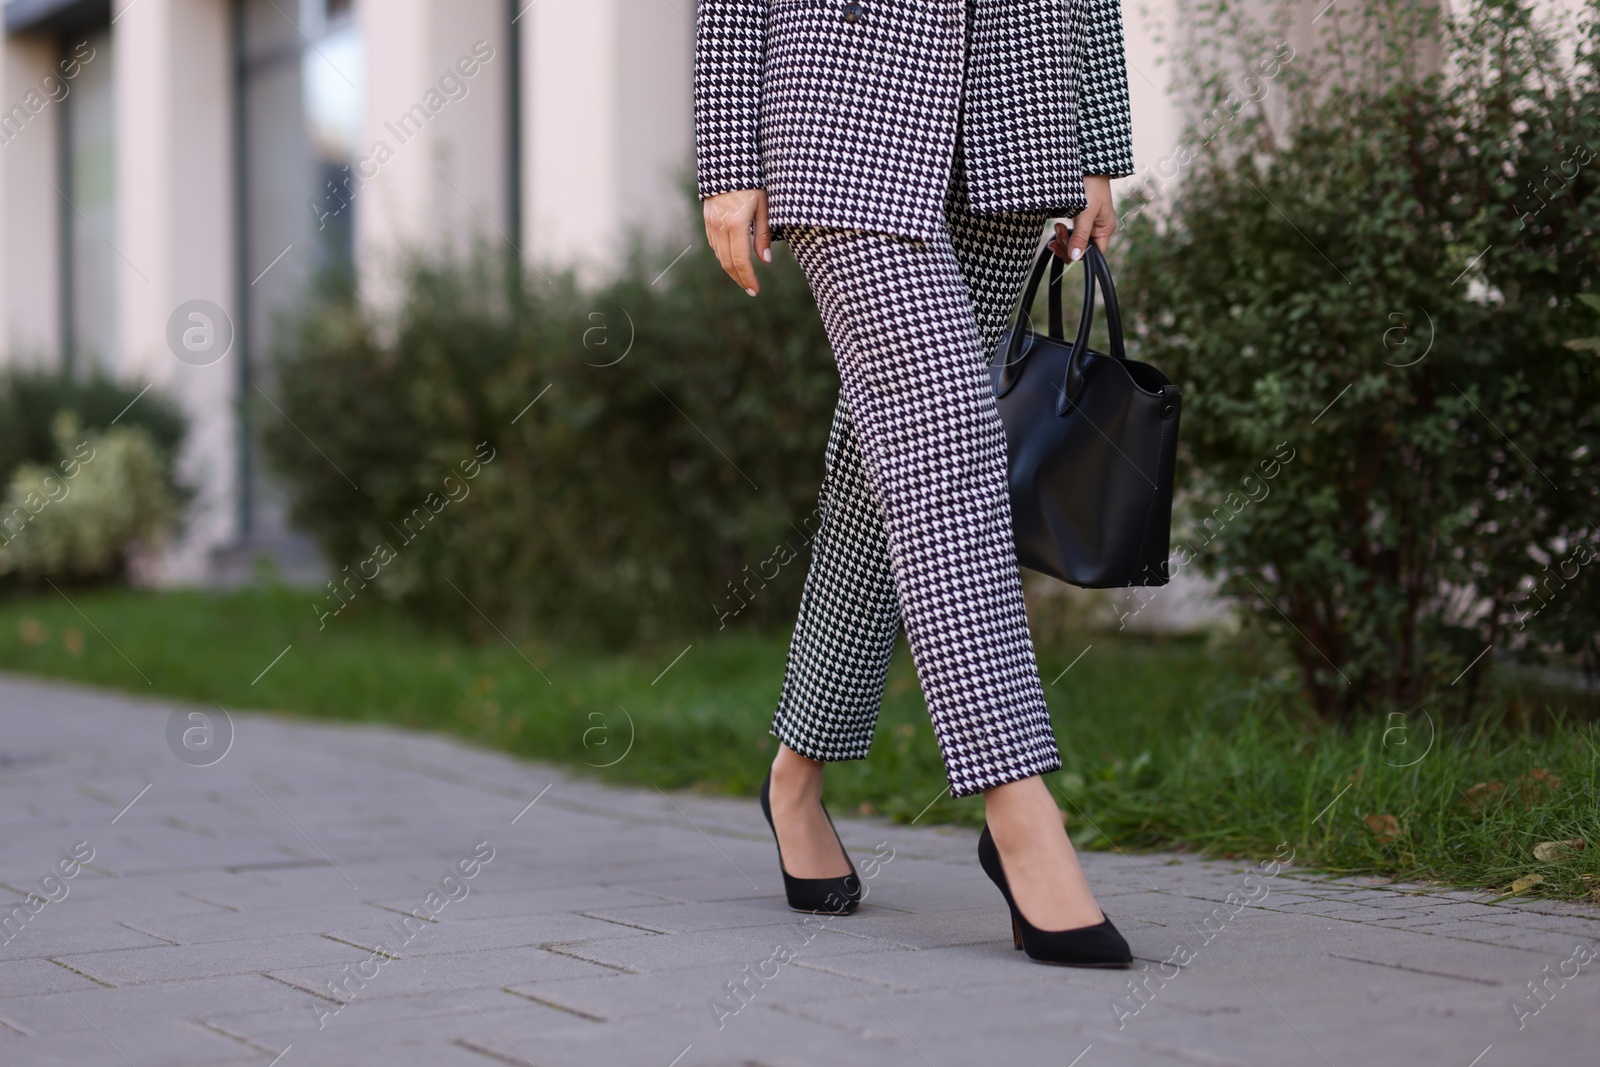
{"x": 730, "y": 40}
{"x": 1105, "y": 126}
{"x": 728, "y": 172}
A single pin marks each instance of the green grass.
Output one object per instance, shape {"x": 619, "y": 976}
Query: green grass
{"x": 1183, "y": 741}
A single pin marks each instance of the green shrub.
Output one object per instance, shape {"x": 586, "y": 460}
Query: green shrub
{"x": 79, "y": 519}
{"x": 644, "y": 447}
{"x": 1587, "y": 344}
{"x": 1365, "y": 304}
{"x": 31, "y": 400}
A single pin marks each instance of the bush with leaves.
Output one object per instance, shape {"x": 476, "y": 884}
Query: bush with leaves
{"x": 81, "y": 518}
{"x": 1587, "y": 344}
{"x": 31, "y": 400}
{"x": 1377, "y": 266}
{"x": 655, "y": 442}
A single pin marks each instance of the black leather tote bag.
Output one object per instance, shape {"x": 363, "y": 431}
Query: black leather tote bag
{"x": 1091, "y": 440}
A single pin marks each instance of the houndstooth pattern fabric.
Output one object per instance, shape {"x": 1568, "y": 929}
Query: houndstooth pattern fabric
{"x": 1106, "y": 130}
{"x": 916, "y": 520}
{"x": 846, "y": 111}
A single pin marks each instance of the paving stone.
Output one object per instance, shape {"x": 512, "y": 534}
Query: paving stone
{"x": 490, "y": 901}
{"x": 1543, "y": 942}
{"x": 210, "y": 930}
{"x": 747, "y": 945}
{"x": 38, "y": 977}
{"x": 985, "y": 925}
{"x": 1580, "y": 928}
{"x": 76, "y": 934}
{"x": 430, "y": 974}
{"x": 192, "y": 1000}
{"x": 689, "y": 918}
{"x": 689, "y": 991}
{"x": 994, "y": 964}
{"x": 117, "y": 1041}
{"x": 177, "y": 962}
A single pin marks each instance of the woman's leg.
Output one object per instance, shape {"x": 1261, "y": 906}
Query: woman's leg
{"x": 838, "y": 656}
{"x": 849, "y": 616}
{"x": 900, "y": 317}
{"x": 833, "y": 651}
{"x": 806, "y": 839}
{"x": 1041, "y": 866}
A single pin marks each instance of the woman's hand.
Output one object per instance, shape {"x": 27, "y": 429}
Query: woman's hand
{"x": 1097, "y": 221}
{"x": 730, "y": 220}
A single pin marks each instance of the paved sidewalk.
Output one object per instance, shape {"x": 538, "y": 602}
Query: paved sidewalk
{"x": 259, "y": 910}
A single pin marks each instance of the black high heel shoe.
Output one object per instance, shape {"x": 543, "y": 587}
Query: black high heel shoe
{"x": 829, "y": 896}
{"x": 1100, "y": 945}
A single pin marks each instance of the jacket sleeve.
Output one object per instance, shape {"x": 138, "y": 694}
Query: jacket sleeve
{"x": 1105, "y": 130}
{"x": 730, "y": 43}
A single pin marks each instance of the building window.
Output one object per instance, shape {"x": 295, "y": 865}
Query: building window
{"x": 91, "y": 265}
{"x": 301, "y": 67}
{"x": 301, "y": 71}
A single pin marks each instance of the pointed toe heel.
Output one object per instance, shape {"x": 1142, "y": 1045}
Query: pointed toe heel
{"x": 825, "y": 896}
{"x": 1100, "y": 945}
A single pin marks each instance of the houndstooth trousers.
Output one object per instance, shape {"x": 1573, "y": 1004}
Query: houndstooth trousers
{"x": 915, "y": 518}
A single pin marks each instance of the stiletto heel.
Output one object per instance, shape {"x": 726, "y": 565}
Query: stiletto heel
{"x": 1100, "y": 945}
{"x": 829, "y": 896}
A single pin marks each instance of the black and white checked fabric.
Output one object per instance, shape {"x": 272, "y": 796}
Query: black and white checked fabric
{"x": 846, "y": 111}
{"x": 916, "y": 520}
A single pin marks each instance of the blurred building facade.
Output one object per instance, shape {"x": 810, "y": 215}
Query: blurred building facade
{"x": 176, "y": 174}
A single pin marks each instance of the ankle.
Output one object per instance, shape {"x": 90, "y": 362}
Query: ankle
{"x": 1019, "y": 812}
{"x": 795, "y": 778}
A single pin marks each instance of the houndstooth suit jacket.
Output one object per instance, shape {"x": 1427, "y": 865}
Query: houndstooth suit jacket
{"x": 846, "y": 111}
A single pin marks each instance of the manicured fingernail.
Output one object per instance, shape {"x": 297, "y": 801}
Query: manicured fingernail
{"x": 766, "y": 254}
{"x": 752, "y": 292}
{"x": 1076, "y": 254}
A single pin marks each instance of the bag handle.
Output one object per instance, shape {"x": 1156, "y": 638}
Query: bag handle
{"x": 1097, "y": 272}
{"x": 1057, "y": 266}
